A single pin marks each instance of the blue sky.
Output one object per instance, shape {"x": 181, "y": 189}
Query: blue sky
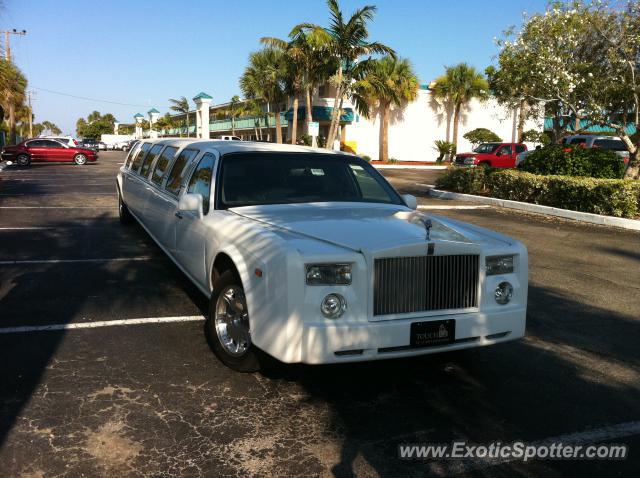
{"x": 143, "y": 52}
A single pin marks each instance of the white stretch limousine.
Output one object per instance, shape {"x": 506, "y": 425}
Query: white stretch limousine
{"x": 311, "y": 256}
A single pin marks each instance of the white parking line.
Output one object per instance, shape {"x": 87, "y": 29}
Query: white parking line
{"x": 426, "y": 185}
{"x": 438, "y": 206}
{"x": 103, "y": 323}
{"x": 78, "y": 261}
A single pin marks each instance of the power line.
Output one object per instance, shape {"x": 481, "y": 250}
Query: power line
{"x": 91, "y": 99}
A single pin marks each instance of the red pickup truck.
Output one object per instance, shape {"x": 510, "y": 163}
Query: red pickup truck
{"x": 495, "y": 155}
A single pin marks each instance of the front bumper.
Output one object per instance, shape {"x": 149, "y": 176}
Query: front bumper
{"x": 335, "y": 343}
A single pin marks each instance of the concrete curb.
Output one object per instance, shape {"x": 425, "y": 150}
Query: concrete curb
{"x": 406, "y": 166}
{"x": 620, "y": 222}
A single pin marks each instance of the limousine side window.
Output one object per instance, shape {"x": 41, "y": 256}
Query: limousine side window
{"x": 179, "y": 170}
{"x": 162, "y": 163}
{"x": 148, "y": 161}
{"x": 137, "y": 161}
{"x": 132, "y": 154}
{"x": 200, "y": 182}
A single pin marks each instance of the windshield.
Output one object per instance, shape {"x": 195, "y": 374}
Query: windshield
{"x": 248, "y": 179}
{"x": 486, "y": 148}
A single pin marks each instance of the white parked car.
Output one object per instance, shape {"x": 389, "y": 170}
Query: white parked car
{"x": 68, "y": 140}
{"x": 311, "y": 256}
{"x": 228, "y": 138}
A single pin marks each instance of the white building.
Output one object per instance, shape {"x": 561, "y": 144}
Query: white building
{"x": 413, "y": 129}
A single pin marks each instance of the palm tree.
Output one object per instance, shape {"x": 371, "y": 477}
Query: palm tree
{"x": 13, "y": 85}
{"x": 308, "y": 64}
{"x": 264, "y": 79}
{"x": 348, "y": 44}
{"x": 233, "y": 111}
{"x": 389, "y": 82}
{"x": 181, "y": 106}
{"x": 458, "y": 86}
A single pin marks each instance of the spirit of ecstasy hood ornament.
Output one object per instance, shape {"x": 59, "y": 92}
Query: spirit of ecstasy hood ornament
{"x": 427, "y": 225}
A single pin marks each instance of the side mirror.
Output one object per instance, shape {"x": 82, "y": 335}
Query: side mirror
{"x": 410, "y": 201}
{"x": 191, "y": 203}
{"x": 499, "y": 153}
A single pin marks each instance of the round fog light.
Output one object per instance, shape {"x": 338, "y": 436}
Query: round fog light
{"x": 503, "y": 293}
{"x": 333, "y": 306}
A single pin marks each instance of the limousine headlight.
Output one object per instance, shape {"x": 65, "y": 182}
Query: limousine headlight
{"x": 499, "y": 265}
{"x": 328, "y": 274}
{"x": 333, "y": 306}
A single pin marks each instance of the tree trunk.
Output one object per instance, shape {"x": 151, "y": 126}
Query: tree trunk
{"x": 456, "y": 119}
{"x": 12, "y": 124}
{"x": 383, "y": 151}
{"x": 521, "y": 119}
{"x": 294, "y": 125}
{"x": 335, "y": 114}
{"x": 278, "y": 125}
{"x": 633, "y": 170}
{"x": 233, "y": 125}
{"x": 187, "y": 124}
{"x": 309, "y": 115}
{"x": 335, "y": 132}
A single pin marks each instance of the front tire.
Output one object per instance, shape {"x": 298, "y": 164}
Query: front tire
{"x": 80, "y": 159}
{"x": 123, "y": 212}
{"x": 227, "y": 328}
{"x": 23, "y": 160}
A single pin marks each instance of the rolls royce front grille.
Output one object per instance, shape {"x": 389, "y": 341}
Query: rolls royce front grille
{"x": 418, "y": 284}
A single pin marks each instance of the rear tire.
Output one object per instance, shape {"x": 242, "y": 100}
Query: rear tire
{"x": 227, "y": 328}
{"x": 80, "y": 159}
{"x": 123, "y": 211}
{"x": 23, "y": 160}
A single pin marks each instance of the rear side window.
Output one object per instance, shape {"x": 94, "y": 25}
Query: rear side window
{"x": 520, "y": 149}
{"x": 578, "y": 141}
{"x": 162, "y": 163}
{"x": 148, "y": 161}
{"x": 132, "y": 154}
{"x": 610, "y": 144}
{"x": 137, "y": 161}
{"x": 200, "y": 182}
{"x": 179, "y": 170}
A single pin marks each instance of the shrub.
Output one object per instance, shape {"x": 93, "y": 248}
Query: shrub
{"x": 366, "y": 157}
{"x": 577, "y": 161}
{"x": 393, "y": 161}
{"x": 533, "y": 136}
{"x": 481, "y": 135}
{"x": 444, "y": 148}
{"x": 611, "y": 197}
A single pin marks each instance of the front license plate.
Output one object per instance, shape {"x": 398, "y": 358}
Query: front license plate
{"x": 435, "y": 332}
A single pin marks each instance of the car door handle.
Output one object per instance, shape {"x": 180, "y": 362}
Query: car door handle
{"x": 178, "y": 214}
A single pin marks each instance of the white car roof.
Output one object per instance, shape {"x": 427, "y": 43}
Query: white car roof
{"x": 223, "y": 146}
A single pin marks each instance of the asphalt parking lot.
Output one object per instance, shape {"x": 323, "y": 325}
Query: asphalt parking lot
{"x": 93, "y": 398}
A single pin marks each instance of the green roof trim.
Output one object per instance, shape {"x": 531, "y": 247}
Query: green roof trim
{"x": 138, "y": 115}
{"x": 424, "y": 87}
{"x": 202, "y": 96}
{"x": 153, "y": 110}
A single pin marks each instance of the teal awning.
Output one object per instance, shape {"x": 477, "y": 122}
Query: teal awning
{"x": 595, "y": 129}
{"x": 321, "y": 113}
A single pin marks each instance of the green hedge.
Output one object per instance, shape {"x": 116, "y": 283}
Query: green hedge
{"x": 578, "y": 161}
{"x": 610, "y": 197}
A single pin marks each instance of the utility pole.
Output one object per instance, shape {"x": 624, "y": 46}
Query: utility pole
{"x": 7, "y": 44}
{"x": 29, "y": 95}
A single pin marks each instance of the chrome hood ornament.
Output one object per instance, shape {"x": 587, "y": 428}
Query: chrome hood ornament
{"x": 427, "y": 225}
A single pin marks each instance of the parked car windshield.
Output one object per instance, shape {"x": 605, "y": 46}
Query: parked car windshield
{"x": 486, "y": 148}
{"x": 248, "y": 179}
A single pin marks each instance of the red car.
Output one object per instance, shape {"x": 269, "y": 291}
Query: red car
{"x": 40, "y": 149}
{"x": 495, "y": 155}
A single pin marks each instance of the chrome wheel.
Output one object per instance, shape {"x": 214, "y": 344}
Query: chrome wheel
{"x": 232, "y": 321}
{"x": 80, "y": 159}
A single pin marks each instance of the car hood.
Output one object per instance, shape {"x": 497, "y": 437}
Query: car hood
{"x": 365, "y": 226}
